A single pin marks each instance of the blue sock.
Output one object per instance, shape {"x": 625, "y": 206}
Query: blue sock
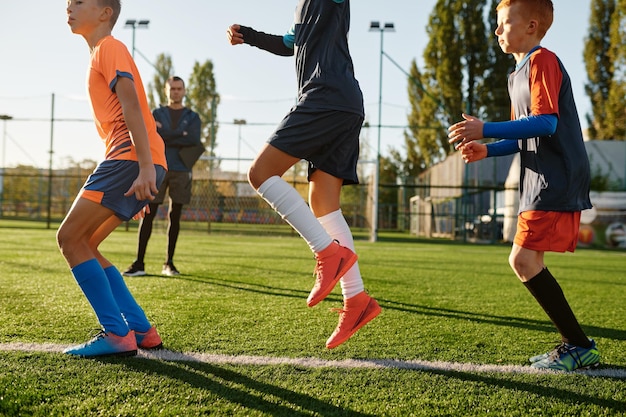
{"x": 133, "y": 313}
{"x": 93, "y": 281}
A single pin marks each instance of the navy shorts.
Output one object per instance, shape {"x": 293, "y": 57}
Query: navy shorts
{"x": 108, "y": 183}
{"x": 328, "y": 140}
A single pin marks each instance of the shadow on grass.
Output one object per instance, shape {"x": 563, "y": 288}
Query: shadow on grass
{"x": 538, "y": 389}
{"x": 223, "y": 383}
{"x": 507, "y": 321}
{"x": 246, "y": 286}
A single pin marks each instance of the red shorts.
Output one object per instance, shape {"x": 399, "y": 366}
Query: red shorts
{"x": 548, "y": 231}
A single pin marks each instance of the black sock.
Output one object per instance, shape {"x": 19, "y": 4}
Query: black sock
{"x": 550, "y": 297}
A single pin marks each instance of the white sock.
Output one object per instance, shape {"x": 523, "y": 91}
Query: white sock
{"x": 338, "y": 229}
{"x": 286, "y": 201}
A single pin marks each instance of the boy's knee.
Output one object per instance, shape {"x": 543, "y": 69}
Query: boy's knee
{"x": 512, "y": 261}
{"x": 63, "y": 239}
{"x": 524, "y": 266}
{"x": 59, "y": 238}
{"x": 254, "y": 179}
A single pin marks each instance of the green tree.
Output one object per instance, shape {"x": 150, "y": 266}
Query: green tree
{"x": 202, "y": 97}
{"x": 493, "y": 90}
{"x": 21, "y": 187}
{"x": 474, "y": 55}
{"x": 456, "y": 63}
{"x": 616, "y": 117}
{"x": 414, "y": 162}
{"x": 605, "y": 63}
{"x": 156, "y": 88}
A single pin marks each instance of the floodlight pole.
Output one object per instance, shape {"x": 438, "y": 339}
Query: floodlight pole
{"x": 239, "y": 123}
{"x": 134, "y": 24}
{"x": 49, "y": 218}
{"x": 4, "y": 117}
{"x": 376, "y": 27}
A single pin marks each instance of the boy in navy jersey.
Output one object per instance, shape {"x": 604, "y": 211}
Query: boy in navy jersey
{"x": 322, "y": 128}
{"x": 554, "y": 176}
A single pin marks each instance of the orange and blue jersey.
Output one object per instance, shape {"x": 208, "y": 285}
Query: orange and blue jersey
{"x": 546, "y": 131}
{"x": 110, "y": 60}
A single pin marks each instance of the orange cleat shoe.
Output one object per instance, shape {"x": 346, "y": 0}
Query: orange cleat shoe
{"x": 332, "y": 263}
{"x": 358, "y": 311}
{"x": 149, "y": 340}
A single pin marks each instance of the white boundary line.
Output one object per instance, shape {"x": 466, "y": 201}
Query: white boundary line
{"x": 417, "y": 365}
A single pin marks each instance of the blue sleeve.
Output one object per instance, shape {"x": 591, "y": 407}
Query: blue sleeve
{"x": 502, "y": 148}
{"x": 289, "y": 39}
{"x": 524, "y": 128}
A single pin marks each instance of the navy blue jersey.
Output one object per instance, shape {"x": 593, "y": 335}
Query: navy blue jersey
{"x": 555, "y": 174}
{"x": 184, "y": 133}
{"x": 324, "y": 67}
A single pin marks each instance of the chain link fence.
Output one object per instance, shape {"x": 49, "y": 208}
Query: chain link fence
{"x": 224, "y": 202}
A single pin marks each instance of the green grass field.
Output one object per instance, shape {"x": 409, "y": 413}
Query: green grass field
{"x": 240, "y": 296}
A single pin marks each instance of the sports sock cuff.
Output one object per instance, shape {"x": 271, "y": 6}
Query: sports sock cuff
{"x": 335, "y": 224}
{"x": 287, "y": 202}
{"x": 83, "y": 271}
{"x": 267, "y": 184}
{"x": 330, "y": 216}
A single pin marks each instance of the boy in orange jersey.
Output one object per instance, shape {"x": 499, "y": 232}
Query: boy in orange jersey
{"x": 554, "y": 174}
{"x": 119, "y": 188}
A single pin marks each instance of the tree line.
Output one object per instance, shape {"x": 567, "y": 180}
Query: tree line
{"x": 465, "y": 71}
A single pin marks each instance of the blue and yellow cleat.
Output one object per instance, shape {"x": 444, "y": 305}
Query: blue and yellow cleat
{"x": 106, "y": 344}
{"x": 566, "y": 357}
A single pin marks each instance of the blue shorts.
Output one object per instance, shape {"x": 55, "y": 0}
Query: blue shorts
{"x": 328, "y": 140}
{"x": 108, "y": 183}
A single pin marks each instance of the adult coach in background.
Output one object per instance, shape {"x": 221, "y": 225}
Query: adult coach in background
{"x": 322, "y": 128}
{"x": 554, "y": 175}
{"x": 180, "y": 129}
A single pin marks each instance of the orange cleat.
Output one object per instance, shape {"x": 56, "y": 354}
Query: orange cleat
{"x": 149, "y": 340}
{"x": 332, "y": 263}
{"x": 357, "y": 312}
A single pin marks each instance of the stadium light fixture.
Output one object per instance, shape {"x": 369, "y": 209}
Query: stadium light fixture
{"x": 134, "y": 24}
{"x": 375, "y": 26}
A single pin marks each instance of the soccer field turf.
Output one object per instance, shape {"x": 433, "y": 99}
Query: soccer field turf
{"x": 454, "y": 336}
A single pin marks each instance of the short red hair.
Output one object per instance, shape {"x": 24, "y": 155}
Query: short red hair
{"x": 540, "y": 10}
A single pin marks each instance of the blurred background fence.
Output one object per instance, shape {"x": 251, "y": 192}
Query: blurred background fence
{"x": 224, "y": 201}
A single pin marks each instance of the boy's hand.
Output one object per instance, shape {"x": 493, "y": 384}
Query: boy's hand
{"x": 466, "y": 131}
{"x": 233, "y": 34}
{"x": 144, "y": 187}
{"x": 473, "y": 151}
{"x": 142, "y": 213}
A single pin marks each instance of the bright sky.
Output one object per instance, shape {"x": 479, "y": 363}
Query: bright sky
{"x": 40, "y": 56}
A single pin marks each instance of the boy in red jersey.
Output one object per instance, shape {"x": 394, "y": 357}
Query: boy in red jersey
{"x": 554, "y": 179}
{"x": 119, "y": 188}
